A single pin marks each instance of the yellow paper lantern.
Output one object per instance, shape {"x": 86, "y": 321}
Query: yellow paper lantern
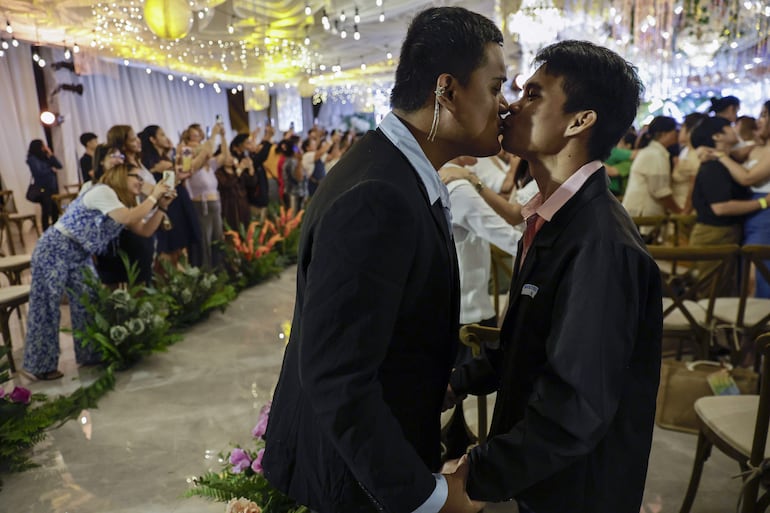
{"x": 168, "y": 19}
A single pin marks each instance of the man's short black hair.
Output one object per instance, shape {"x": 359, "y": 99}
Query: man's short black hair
{"x": 440, "y": 40}
{"x": 238, "y": 140}
{"x": 595, "y": 78}
{"x": 87, "y": 138}
{"x": 703, "y": 134}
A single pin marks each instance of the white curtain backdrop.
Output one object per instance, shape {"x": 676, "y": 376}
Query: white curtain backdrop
{"x": 128, "y": 96}
{"x": 21, "y": 124}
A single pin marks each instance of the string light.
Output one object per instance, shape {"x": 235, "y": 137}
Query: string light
{"x": 8, "y": 27}
{"x": 308, "y": 10}
{"x": 382, "y": 16}
{"x": 75, "y": 48}
{"x": 357, "y": 17}
{"x": 342, "y": 16}
{"x": 4, "y": 45}
{"x": 356, "y": 34}
{"x": 14, "y": 42}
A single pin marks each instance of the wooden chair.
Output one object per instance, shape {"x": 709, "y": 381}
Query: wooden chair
{"x": 64, "y": 199}
{"x": 11, "y": 298}
{"x": 682, "y": 226}
{"x": 501, "y": 265}
{"x": 476, "y": 336}
{"x": 737, "y": 425}
{"x": 685, "y": 280}
{"x": 10, "y": 216}
{"x": 652, "y": 228}
{"x": 749, "y": 315}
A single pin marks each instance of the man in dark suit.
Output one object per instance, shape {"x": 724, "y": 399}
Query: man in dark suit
{"x": 354, "y": 425}
{"x": 578, "y": 366}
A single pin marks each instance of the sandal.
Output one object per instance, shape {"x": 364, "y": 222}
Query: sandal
{"x": 48, "y": 376}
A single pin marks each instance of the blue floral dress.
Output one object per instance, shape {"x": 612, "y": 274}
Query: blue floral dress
{"x": 58, "y": 261}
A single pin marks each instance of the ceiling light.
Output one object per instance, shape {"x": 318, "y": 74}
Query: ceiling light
{"x": 4, "y": 45}
{"x": 357, "y": 17}
{"x": 75, "y": 48}
{"x": 342, "y": 16}
{"x": 308, "y": 10}
{"x": 343, "y": 33}
{"x": 41, "y": 63}
{"x": 67, "y": 54}
{"x": 8, "y": 27}
{"x": 382, "y": 17}
{"x": 15, "y": 42}
{"x": 230, "y": 28}
{"x": 49, "y": 118}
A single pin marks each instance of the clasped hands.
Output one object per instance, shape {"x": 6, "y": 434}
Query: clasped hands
{"x": 456, "y": 474}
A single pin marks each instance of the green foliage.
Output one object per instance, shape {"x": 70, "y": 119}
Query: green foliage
{"x": 24, "y": 425}
{"x": 127, "y": 323}
{"x": 192, "y": 292}
{"x": 224, "y": 486}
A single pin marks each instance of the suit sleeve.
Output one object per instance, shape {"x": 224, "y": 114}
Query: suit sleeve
{"x": 594, "y": 321}
{"x": 361, "y": 258}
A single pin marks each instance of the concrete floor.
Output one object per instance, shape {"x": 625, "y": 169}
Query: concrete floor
{"x": 170, "y": 415}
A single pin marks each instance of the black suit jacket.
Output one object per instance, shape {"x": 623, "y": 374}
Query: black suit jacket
{"x": 578, "y": 369}
{"x": 354, "y": 424}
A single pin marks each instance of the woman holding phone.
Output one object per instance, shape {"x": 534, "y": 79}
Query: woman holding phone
{"x": 183, "y": 228}
{"x": 88, "y": 226}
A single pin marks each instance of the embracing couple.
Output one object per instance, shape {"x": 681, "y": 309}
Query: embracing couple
{"x": 356, "y": 413}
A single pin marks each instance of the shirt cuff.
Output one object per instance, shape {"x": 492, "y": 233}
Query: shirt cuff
{"x": 437, "y": 499}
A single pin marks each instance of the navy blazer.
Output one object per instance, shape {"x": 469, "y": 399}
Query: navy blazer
{"x": 578, "y": 369}
{"x": 355, "y": 421}
{"x": 43, "y": 173}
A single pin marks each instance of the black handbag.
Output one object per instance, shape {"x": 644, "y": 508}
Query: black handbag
{"x": 34, "y": 193}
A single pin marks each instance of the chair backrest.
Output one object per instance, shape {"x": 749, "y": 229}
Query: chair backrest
{"x": 8, "y": 202}
{"x": 756, "y": 256}
{"x": 502, "y": 264}
{"x": 475, "y": 336}
{"x": 682, "y": 223}
{"x": 652, "y": 228}
{"x": 690, "y": 273}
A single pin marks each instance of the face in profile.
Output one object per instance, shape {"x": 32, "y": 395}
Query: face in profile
{"x": 537, "y": 123}
{"x": 480, "y": 104}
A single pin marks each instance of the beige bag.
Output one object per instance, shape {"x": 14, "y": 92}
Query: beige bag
{"x": 682, "y": 383}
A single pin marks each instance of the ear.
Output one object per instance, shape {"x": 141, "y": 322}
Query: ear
{"x": 581, "y": 121}
{"x": 446, "y": 85}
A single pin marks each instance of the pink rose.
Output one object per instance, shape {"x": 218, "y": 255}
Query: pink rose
{"x": 242, "y": 505}
{"x": 240, "y": 460}
{"x": 256, "y": 465}
{"x": 20, "y": 395}
{"x": 261, "y": 427}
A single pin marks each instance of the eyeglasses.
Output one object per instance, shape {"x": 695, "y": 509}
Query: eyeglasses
{"x": 138, "y": 177}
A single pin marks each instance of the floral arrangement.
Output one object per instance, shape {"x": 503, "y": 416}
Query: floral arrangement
{"x": 127, "y": 323}
{"x": 192, "y": 292}
{"x": 249, "y": 254}
{"x": 25, "y": 417}
{"x": 287, "y": 225}
{"x": 241, "y": 484}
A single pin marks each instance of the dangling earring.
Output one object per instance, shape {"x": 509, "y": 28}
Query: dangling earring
{"x": 434, "y": 127}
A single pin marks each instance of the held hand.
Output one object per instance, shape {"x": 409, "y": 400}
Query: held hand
{"x": 164, "y": 165}
{"x": 217, "y": 129}
{"x": 705, "y": 153}
{"x": 457, "y": 499}
{"x": 269, "y": 132}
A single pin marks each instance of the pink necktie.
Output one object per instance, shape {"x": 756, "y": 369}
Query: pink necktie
{"x": 534, "y": 223}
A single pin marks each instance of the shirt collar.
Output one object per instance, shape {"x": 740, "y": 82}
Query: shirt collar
{"x": 548, "y": 208}
{"x": 397, "y": 133}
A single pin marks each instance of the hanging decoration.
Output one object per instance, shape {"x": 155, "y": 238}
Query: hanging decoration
{"x": 168, "y": 19}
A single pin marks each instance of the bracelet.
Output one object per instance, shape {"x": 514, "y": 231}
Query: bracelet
{"x": 719, "y": 154}
{"x": 152, "y": 199}
{"x": 762, "y": 203}
{"x": 479, "y": 186}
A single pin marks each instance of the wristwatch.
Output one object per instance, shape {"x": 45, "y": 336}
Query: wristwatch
{"x": 479, "y": 186}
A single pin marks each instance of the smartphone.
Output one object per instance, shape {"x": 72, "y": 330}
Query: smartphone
{"x": 218, "y": 119}
{"x": 187, "y": 155}
{"x": 169, "y": 178}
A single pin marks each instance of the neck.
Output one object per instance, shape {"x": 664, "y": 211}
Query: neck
{"x": 551, "y": 171}
{"x": 419, "y": 122}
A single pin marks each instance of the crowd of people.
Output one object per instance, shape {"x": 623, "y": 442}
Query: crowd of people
{"x": 196, "y": 189}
